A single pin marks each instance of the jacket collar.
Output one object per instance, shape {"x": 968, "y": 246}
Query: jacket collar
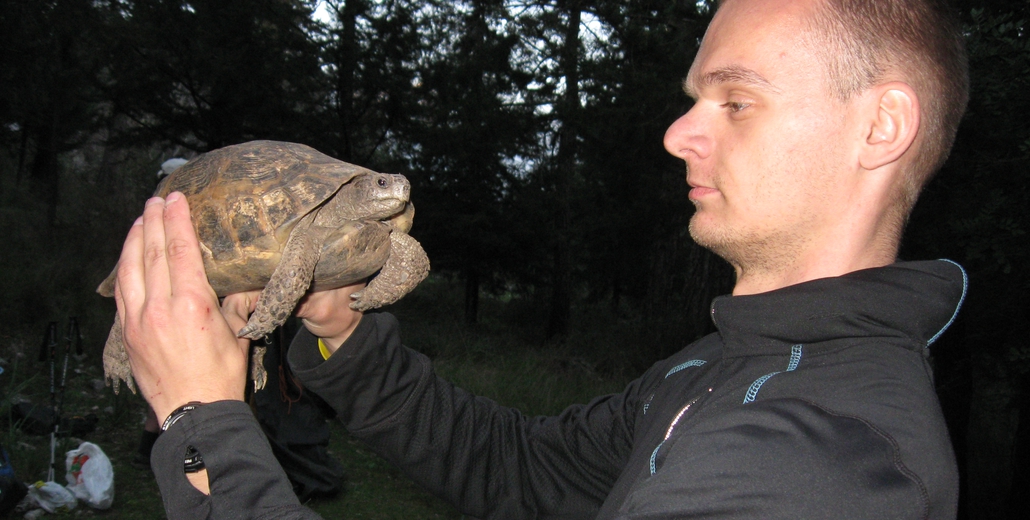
{"x": 909, "y": 301}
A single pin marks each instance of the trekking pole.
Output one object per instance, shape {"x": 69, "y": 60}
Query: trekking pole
{"x": 52, "y": 354}
{"x": 59, "y": 399}
{"x": 72, "y": 329}
{"x": 49, "y": 338}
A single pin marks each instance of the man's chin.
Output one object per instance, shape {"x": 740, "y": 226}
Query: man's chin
{"x": 713, "y": 238}
{"x": 704, "y": 232}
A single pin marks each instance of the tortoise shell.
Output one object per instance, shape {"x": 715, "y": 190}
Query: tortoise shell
{"x": 288, "y": 218}
{"x": 246, "y": 199}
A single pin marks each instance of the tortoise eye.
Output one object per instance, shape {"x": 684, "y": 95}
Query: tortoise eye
{"x": 382, "y": 182}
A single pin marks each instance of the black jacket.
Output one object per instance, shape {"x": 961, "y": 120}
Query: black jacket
{"x": 812, "y": 401}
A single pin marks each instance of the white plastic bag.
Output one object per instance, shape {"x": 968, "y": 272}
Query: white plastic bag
{"x": 51, "y": 497}
{"x": 90, "y": 475}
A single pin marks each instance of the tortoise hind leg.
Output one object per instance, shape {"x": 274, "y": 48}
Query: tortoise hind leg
{"x": 289, "y": 282}
{"x": 116, "y": 359}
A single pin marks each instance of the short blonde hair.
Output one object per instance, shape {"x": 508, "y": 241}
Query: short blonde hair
{"x": 917, "y": 41}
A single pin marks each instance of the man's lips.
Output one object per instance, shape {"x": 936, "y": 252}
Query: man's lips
{"x": 701, "y": 191}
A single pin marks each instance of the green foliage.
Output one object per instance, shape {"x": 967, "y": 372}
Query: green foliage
{"x": 519, "y": 187}
{"x": 486, "y": 358}
{"x": 462, "y": 138}
{"x": 207, "y": 74}
{"x": 975, "y": 213}
{"x": 368, "y": 82}
{"x": 533, "y": 143}
{"x": 51, "y": 269}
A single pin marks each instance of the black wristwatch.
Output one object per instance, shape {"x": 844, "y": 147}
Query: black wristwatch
{"x": 192, "y": 462}
{"x": 179, "y": 413}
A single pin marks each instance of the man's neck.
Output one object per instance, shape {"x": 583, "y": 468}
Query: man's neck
{"x": 836, "y": 258}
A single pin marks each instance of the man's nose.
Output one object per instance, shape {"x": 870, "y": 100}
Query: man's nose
{"x": 686, "y": 136}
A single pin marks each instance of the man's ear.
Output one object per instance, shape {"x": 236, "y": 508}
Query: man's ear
{"x": 892, "y": 123}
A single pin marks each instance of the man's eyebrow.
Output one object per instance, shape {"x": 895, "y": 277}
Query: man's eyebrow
{"x": 731, "y": 74}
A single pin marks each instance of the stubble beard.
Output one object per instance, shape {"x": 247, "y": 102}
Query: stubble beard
{"x": 748, "y": 251}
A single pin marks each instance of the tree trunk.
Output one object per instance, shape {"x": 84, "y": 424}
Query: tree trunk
{"x": 346, "y": 63}
{"x": 46, "y": 171}
{"x": 561, "y": 295}
{"x": 22, "y": 152}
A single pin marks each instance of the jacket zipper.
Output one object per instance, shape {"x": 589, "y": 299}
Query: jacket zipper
{"x": 672, "y": 426}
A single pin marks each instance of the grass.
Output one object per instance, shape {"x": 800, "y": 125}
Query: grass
{"x": 120, "y": 421}
{"x": 50, "y": 273}
{"x": 497, "y": 358}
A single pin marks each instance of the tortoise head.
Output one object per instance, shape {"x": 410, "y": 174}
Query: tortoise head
{"x": 385, "y": 194}
{"x": 373, "y": 196}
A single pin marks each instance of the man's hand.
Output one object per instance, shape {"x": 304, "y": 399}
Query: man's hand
{"x": 180, "y": 346}
{"x": 236, "y": 308}
{"x": 327, "y": 314}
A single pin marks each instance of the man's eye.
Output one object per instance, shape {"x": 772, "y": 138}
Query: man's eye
{"x": 735, "y": 106}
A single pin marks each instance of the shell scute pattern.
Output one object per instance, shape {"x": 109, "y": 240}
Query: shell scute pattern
{"x": 287, "y": 218}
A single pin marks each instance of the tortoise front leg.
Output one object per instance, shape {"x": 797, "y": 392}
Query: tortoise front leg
{"x": 406, "y": 267}
{"x": 289, "y": 282}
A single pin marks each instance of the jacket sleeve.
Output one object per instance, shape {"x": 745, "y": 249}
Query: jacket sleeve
{"x": 489, "y": 461}
{"x": 245, "y": 479}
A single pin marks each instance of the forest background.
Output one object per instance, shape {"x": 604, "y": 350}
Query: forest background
{"x": 531, "y": 132}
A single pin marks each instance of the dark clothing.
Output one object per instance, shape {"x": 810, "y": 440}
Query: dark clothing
{"x": 246, "y": 481}
{"x": 812, "y": 401}
{"x": 295, "y": 421}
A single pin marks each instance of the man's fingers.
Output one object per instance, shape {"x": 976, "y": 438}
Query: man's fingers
{"x": 130, "y": 291}
{"x": 236, "y": 309}
{"x": 185, "y": 265}
{"x": 241, "y": 304}
{"x": 155, "y": 257}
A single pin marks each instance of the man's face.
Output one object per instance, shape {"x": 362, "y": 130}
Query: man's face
{"x": 766, "y": 145}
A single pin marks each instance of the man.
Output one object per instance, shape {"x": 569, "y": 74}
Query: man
{"x": 815, "y": 125}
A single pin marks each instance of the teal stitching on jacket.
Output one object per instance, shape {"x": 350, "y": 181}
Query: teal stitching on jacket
{"x": 668, "y": 433}
{"x": 965, "y": 286}
{"x": 795, "y": 358}
{"x": 687, "y": 364}
{"x": 654, "y": 454}
{"x": 677, "y": 368}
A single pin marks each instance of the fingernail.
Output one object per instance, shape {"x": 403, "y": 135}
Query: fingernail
{"x": 138, "y": 222}
{"x": 173, "y": 197}
{"x": 154, "y": 200}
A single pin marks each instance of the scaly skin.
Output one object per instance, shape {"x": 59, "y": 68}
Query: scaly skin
{"x": 290, "y": 280}
{"x": 116, "y": 360}
{"x": 407, "y": 266}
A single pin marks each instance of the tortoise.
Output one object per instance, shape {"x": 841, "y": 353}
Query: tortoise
{"x": 289, "y": 219}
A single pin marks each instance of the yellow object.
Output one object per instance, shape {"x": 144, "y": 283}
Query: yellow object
{"x": 323, "y": 349}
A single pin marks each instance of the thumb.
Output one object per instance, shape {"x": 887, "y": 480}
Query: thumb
{"x": 236, "y": 308}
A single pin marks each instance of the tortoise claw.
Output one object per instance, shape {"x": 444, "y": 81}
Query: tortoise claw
{"x": 251, "y": 331}
{"x": 359, "y": 304}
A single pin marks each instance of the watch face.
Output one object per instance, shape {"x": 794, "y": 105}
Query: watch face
{"x": 178, "y": 413}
